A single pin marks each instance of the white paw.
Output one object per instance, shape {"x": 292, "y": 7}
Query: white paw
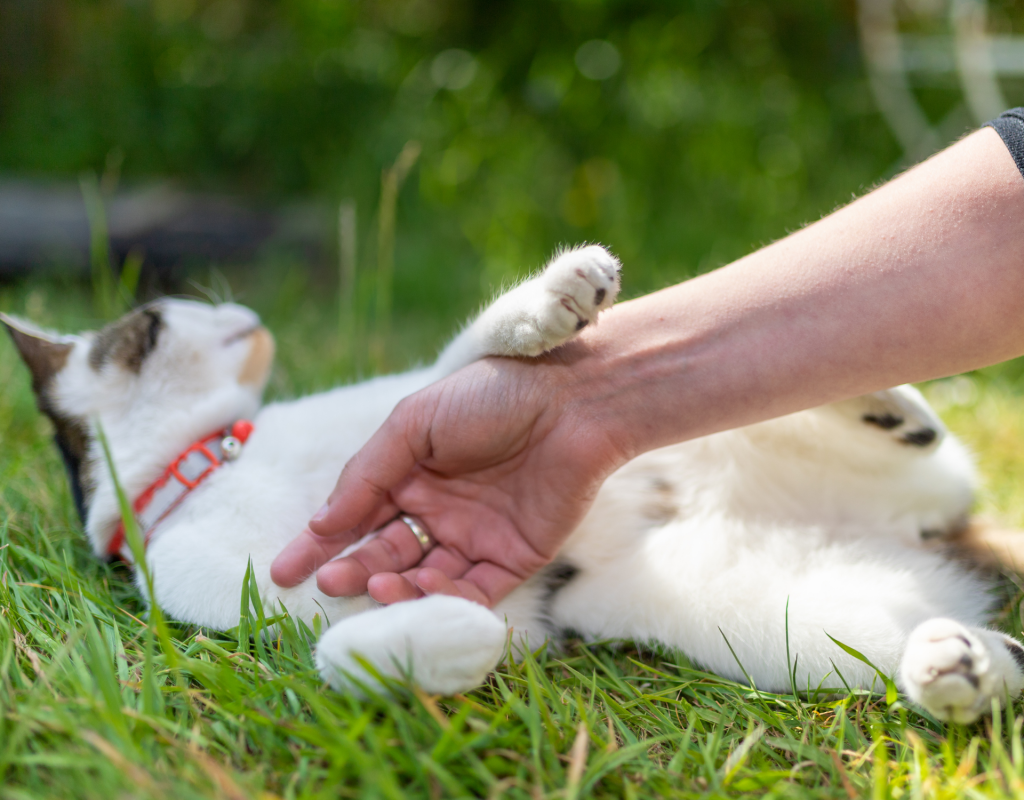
{"x": 902, "y": 414}
{"x": 444, "y": 644}
{"x": 578, "y": 284}
{"x": 953, "y": 673}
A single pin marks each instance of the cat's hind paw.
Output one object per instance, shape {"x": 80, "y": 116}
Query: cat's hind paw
{"x": 902, "y": 414}
{"x": 955, "y": 672}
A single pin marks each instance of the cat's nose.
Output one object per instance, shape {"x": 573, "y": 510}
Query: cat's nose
{"x": 233, "y": 315}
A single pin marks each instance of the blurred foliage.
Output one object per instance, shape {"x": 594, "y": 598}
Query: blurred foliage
{"x": 682, "y": 134}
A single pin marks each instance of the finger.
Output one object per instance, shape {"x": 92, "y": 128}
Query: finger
{"x": 350, "y": 576}
{"x": 489, "y": 581}
{"x": 376, "y": 520}
{"x": 388, "y": 588}
{"x": 393, "y": 550}
{"x": 370, "y": 474}
{"x": 450, "y": 562}
{"x": 345, "y": 577}
{"x": 433, "y": 581}
{"x": 475, "y": 527}
{"x": 304, "y": 554}
{"x": 382, "y": 516}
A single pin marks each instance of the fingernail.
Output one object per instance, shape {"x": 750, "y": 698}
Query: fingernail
{"x": 319, "y": 515}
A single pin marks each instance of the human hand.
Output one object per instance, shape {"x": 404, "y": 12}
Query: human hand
{"x": 499, "y": 462}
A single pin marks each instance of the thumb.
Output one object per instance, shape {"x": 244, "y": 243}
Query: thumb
{"x": 358, "y": 504}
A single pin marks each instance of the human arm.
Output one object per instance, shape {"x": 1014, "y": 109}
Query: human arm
{"x": 921, "y": 278}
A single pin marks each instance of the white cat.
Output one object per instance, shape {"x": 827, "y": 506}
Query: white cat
{"x": 838, "y": 513}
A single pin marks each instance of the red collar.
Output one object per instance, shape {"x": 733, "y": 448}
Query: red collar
{"x": 185, "y": 473}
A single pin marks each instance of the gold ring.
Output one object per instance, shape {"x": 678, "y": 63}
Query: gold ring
{"x": 419, "y": 530}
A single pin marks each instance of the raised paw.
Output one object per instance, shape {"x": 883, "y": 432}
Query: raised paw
{"x": 550, "y": 308}
{"x": 955, "y": 672}
{"x": 579, "y": 284}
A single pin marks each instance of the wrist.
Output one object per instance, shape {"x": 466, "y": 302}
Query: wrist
{"x": 611, "y": 386}
{"x": 668, "y": 367}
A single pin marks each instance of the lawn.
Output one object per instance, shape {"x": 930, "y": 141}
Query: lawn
{"x": 714, "y": 127}
{"x": 98, "y": 702}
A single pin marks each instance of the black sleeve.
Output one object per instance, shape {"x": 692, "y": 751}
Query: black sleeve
{"x": 1010, "y": 127}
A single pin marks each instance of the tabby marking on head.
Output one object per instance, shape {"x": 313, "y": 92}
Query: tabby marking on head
{"x": 127, "y": 341}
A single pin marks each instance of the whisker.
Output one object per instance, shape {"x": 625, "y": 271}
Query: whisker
{"x": 208, "y": 292}
{"x": 225, "y": 293}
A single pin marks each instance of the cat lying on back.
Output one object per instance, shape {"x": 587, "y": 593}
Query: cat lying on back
{"x": 836, "y": 511}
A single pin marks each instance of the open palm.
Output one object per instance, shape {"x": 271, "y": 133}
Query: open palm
{"x": 496, "y": 460}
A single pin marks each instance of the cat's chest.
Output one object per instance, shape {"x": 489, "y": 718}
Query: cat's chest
{"x": 292, "y": 459}
{"x": 288, "y": 466}
{"x": 325, "y": 430}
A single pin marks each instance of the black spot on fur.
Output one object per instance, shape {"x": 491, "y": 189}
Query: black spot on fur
{"x": 921, "y": 438}
{"x": 72, "y": 440}
{"x": 555, "y": 577}
{"x": 128, "y": 341}
{"x": 581, "y": 324}
{"x": 661, "y": 486}
{"x": 558, "y": 575}
{"x": 1017, "y": 652}
{"x": 954, "y": 528}
{"x": 45, "y": 358}
{"x": 884, "y": 421}
{"x": 599, "y": 296}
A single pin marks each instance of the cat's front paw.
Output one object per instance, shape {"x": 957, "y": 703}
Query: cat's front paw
{"x": 551, "y": 308}
{"x": 578, "y": 284}
{"x": 444, "y": 644}
{"x": 952, "y": 672}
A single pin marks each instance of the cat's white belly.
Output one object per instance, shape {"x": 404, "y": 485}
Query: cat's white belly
{"x": 253, "y": 507}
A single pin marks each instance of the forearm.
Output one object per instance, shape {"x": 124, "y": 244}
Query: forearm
{"x": 919, "y": 279}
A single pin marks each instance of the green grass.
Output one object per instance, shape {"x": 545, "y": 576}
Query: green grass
{"x": 99, "y": 701}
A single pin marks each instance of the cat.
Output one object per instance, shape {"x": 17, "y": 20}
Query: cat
{"x": 738, "y": 549}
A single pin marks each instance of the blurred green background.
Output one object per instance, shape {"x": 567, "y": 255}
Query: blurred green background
{"x": 680, "y": 134}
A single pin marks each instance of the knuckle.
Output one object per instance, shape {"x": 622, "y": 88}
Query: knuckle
{"x": 390, "y": 550}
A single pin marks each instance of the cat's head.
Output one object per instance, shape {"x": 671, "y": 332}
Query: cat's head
{"x": 157, "y": 379}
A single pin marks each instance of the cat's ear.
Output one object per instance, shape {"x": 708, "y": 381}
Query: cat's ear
{"x": 43, "y": 353}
